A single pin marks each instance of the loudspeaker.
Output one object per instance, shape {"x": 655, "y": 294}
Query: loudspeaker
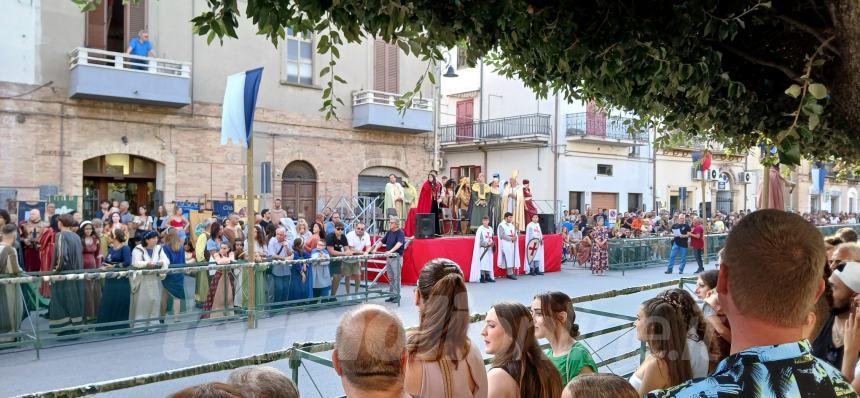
{"x": 547, "y": 223}
{"x": 424, "y": 225}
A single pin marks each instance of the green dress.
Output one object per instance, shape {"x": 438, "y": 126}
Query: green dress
{"x": 571, "y": 364}
{"x": 478, "y": 208}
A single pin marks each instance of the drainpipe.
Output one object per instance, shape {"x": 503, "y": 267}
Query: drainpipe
{"x": 437, "y": 117}
{"x": 481, "y": 114}
{"x": 654, "y": 172}
{"x": 555, "y": 127}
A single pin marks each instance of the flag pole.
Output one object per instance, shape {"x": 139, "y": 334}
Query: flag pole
{"x": 252, "y": 230}
{"x": 703, "y": 217}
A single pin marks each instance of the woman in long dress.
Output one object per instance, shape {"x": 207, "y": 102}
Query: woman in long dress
{"x": 174, "y": 284}
{"x": 146, "y": 289}
{"x": 221, "y": 292}
{"x": 301, "y": 275}
{"x": 583, "y": 250}
{"x": 92, "y": 260}
{"x": 116, "y": 293}
{"x": 599, "y": 248}
{"x": 11, "y": 305}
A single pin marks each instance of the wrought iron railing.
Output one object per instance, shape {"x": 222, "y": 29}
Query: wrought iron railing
{"x": 137, "y": 63}
{"x": 515, "y": 127}
{"x": 596, "y": 125}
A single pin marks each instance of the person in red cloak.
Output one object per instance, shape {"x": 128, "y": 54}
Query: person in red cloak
{"x": 530, "y": 208}
{"x": 427, "y": 203}
{"x": 46, "y": 252}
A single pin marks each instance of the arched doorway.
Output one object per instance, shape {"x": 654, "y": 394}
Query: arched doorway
{"x": 372, "y": 180}
{"x": 299, "y": 189}
{"x": 119, "y": 177}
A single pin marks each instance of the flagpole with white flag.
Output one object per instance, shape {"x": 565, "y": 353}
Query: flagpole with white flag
{"x": 237, "y": 125}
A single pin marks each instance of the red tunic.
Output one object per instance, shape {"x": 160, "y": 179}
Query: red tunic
{"x": 530, "y": 208}
{"x": 46, "y": 257}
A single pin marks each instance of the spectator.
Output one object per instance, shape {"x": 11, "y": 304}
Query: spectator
{"x": 846, "y": 286}
{"x": 291, "y": 213}
{"x": 219, "y": 302}
{"x": 140, "y": 46}
{"x": 599, "y": 386}
{"x": 359, "y": 243}
{"x": 767, "y": 324}
{"x": 848, "y": 251}
{"x": 146, "y": 289}
{"x": 519, "y": 367}
{"x": 267, "y": 218}
{"x": 681, "y": 232}
{"x": 209, "y": 390}
{"x": 661, "y": 326}
{"x": 698, "y": 339}
{"x": 335, "y": 218}
{"x": 317, "y": 233}
{"x": 263, "y": 382}
{"x": 850, "y": 368}
{"x": 103, "y": 211}
{"x": 161, "y": 218}
{"x": 395, "y": 242}
{"x": 847, "y": 234}
{"x": 320, "y": 270}
{"x": 706, "y": 284}
{"x": 370, "y": 353}
{"x": 174, "y": 284}
{"x": 277, "y": 213}
{"x": 441, "y": 340}
{"x": 279, "y": 249}
{"x": 338, "y": 246}
{"x": 697, "y": 242}
{"x": 143, "y": 221}
{"x": 555, "y": 320}
{"x": 124, "y": 215}
{"x": 301, "y": 274}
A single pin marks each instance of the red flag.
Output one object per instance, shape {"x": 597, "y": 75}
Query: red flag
{"x": 706, "y": 161}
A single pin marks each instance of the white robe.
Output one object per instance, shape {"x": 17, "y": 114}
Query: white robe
{"x": 533, "y": 231}
{"x": 509, "y": 251}
{"x": 483, "y": 236}
{"x": 146, "y": 289}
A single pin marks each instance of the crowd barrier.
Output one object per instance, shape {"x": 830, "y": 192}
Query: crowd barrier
{"x": 34, "y": 331}
{"x": 300, "y": 353}
{"x": 629, "y": 253}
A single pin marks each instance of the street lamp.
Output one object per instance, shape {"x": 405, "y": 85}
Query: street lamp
{"x": 449, "y": 72}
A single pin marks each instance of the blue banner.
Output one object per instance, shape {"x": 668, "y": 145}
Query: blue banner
{"x": 222, "y": 208}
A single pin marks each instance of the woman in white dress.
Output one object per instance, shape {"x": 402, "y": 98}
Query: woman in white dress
{"x": 146, "y": 289}
{"x": 660, "y": 325}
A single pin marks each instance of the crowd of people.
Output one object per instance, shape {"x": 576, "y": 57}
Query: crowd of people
{"x": 117, "y": 240}
{"x": 751, "y": 336}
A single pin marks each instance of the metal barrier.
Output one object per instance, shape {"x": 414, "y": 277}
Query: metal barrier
{"x": 630, "y": 253}
{"x": 299, "y": 353}
{"x": 34, "y": 333}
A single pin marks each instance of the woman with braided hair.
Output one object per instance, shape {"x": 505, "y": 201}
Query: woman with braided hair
{"x": 441, "y": 360}
{"x": 659, "y": 324}
{"x": 698, "y": 332}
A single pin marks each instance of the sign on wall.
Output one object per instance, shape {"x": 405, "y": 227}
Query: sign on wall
{"x": 222, "y": 208}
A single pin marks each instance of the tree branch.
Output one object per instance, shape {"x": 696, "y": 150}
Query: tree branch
{"x": 809, "y": 29}
{"x": 751, "y": 58}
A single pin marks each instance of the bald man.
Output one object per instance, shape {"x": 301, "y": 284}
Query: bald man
{"x": 370, "y": 353}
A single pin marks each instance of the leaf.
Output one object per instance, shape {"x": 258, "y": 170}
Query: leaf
{"x": 324, "y": 71}
{"x": 793, "y": 91}
{"x": 814, "y": 120}
{"x": 817, "y": 90}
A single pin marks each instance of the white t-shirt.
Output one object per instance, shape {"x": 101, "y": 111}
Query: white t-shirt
{"x": 358, "y": 243}
{"x": 698, "y": 356}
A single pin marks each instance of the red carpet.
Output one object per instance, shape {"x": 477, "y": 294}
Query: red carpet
{"x": 459, "y": 249}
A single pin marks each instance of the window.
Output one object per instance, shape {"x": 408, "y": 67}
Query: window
{"x": 300, "y": 58}
{"x": 386, "y": 67}
{"x": 604, "y": 170}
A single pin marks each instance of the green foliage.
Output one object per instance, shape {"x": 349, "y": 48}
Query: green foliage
{"x": 732, "y": 72}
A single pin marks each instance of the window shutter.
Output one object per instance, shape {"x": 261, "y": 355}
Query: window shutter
{"x": 379, "y": 64}
{"x": 135, "y": 20}
{"x": 392, "y": 73}
{"x": 97, "y": 27}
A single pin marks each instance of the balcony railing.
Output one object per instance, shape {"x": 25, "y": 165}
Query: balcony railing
{"x": 603, "y": 127}
{"x": 109, "y": 75}
{"x": 378, "y": 110}
{"x": 524, "y": 127}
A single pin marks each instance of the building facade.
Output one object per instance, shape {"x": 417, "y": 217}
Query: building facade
{"x": 804, "y": 193}
{"x": 86, "y": 120}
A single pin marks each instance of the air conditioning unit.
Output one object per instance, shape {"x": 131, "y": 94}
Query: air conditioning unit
{"x": 744, "y": 177}
{"x": 695, "y": 174}
{"x": 712, "y": 175}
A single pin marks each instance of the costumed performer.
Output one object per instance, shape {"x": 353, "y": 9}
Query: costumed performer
{"x": 393, "y": 197}
{"x": 461, "y": 204}
{"x": 533, "y": 232}
{"x": 509, "y": 256}
{"x": 482, "y": 253}
{"x": 513, "y": 201}
{"x": 529, "y": 209}
{"x": 479, "y": 205}
{"x": 427, "y": 202}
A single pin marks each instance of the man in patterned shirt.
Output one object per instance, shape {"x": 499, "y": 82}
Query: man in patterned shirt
{"x": 769, "y": 356}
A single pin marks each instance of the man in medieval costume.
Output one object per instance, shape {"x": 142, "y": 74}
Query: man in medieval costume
{"x": 509, "y": 256}
{"x": 462, "y": 198}
{"x": 534, "y": 247}
{"x": 393, "y": 197}
{"x": 31, "y": 230}
{"x": 513, "y": 201}
{"x": 529, "y": 209}
{"x": 428, "y": 200}
{"x": 482, "y": 253}
{"x": 11, "y": 304}
{"x": 67, "y": 297}
{"x": 479, "y": 204}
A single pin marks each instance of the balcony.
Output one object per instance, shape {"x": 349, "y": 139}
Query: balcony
{"x": 376, "y": 110}
{"x": 523, "y": 130}
{"x": 112, "y": 76}
{"x": 595, "y": 128}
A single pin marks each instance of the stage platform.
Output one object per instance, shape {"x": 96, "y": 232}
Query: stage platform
{"x": 459, "y": 249}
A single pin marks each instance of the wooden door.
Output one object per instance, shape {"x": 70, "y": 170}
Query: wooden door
{"x": 604, "y": 200}
{"x": 465, "y": 120}
{"x": 97, "y": 28}
{"x": 301, "y": 196}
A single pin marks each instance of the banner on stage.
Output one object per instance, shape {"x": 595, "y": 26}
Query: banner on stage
{"x": 222, "y": 208}
{"x": 187, "y": 207}
{"x": 64, "y": 204}
{"x": 240, "y": 206}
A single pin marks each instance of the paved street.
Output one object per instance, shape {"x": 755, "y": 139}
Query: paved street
{"x": 82, "y": 363}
